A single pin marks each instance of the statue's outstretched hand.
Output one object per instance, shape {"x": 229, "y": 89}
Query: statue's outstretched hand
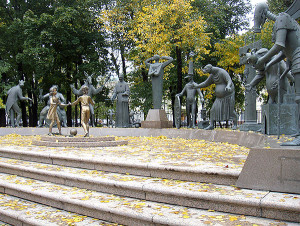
{"x": 259, "y": 64}
{"x": 29, "y": 99}
{"x": 228, "y": 88}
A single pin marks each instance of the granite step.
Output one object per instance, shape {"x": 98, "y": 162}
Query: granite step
{"x": 207, "y": 174}
{"x": 184, "y": 193}
{"x": 125, "y": 210}
{"x": 16, "y": 211}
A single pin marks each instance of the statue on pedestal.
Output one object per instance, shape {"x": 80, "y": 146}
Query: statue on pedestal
{"x": 15, "y": 94}
{"x": 191, "y": 97}
{"x": 121, "y": 92}
{"x": 86, "y": 101}
{"x": 156, "y": 70}
{"x": 286, "y": 33}
{"x": 223, "y": 107}
{"x": 91, "y": 91}
{"x": 52, "y": 112}
{"x": 60, "y": 111}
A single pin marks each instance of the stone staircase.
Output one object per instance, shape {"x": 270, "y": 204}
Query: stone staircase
{"x": 39, "y": 188}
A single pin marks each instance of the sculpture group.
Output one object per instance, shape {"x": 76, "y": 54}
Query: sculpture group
{"x": 280, "y": 76}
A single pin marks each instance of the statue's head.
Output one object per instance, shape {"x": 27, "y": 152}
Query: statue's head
{"x": 89, "y": 80}
{"x": 85, "y": 89}
{"x": 121, "y": 78}
{"x": 21, "y": 83}
{"x": 260, "y": 14}
{"x": 207, "y": 68}
{"x": 156, "y": 57}
{"x": 53, "y": 90}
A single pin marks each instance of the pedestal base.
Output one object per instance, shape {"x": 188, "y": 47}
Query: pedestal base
{"x": 157, "y": 119}
{"x": 203, "y": 124}
{"x": 272, "y": 170}
{"x": 288, "y": 119}
{"x": 250, "y": 127}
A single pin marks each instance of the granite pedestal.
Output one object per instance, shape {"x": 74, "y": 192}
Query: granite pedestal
{"x": 157, "y": 119}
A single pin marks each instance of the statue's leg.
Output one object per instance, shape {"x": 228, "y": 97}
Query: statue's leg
{"x": 58, "y": 126}
{"x": 12, "y": 117}
{"x": 43, "y": 115}
{"x": 50, "y": 127}
{"x": 211, "y": 122}
{"x": 16, "y": 108}
{"x": 157, "y": 91}
{"x": 188, "y": 115}
{"x": 92, "y": 115}
{"x": 194, "y": 114}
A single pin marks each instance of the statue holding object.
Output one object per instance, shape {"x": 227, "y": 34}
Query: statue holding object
{"x": 52, "y": 112}
{"x": 223, "y": 107}
{"x": 191, "y": 97}
{"x": 15, "y": 94}
{"x": 271, "y": 75}
{"x": 156, "y": 71}
{"x": 86, "y": 101}
{"x": 91, "y": 91}
{"x": 286, "y": 33}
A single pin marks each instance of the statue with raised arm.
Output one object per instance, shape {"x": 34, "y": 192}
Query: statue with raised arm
{"x": 271, "y": 75}
{"x": 12, "y": 108}
{"x": 223, "y": 107}
{"x": 286, "y": 33}
{"x": 60, "y": 111}
{"x": 86, "y": 101}
{"x": 121, "y": 92}
{"x": 156, "y": 71}
{"x": 91, "y": 91}
{"x": 191, "y": 97}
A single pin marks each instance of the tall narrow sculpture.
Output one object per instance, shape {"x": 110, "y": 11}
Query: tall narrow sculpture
{"x": 121, "y": 92}
{"x": 52, "y": 112}
{"x": 61, "y": 111}
{"x": 156, "y": 70}
{"x": 91, "y": 91}
{"x": 286, "y": 33}
{"x": 86, "y": 101}
{"x": 191, "y": 97}
{"x": 15, "y": 94}
{"x": 223, "y": 107}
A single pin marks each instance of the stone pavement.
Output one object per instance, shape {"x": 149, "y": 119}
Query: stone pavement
{"x": 152, "y": 180}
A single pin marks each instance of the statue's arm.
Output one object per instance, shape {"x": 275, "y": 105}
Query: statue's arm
{"x": 91, "y": 101}
{"x": 206, "y": 83}
{"x": 169, "y": 60}
{"x": 76, "y": 91}
{"x": 279, "y": 57}
{"x": 114, "y": 94}
{"x": 21, "y": 97}
{"x": 258, "y": 77}
{"x": 127, "y": 90}
{"x": 76, "y": 101}
{"x": 147, "y": 62}
{"x": 200, "y": 94}
{"x": 276, "y": 48}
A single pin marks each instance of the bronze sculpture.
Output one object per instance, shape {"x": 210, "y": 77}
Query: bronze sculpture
{"x": 15, "y": 94}
{"x": 122, "y": 92}
{"x": 156, "y": 70}
{"x": 86, "y": 101}
{"x": 61, "y": 111}
{"x": 91, "y": 91}
{"x": 223, "y": 107}
{"x": 52, "y": 112}
{"x": 191, "y": 97}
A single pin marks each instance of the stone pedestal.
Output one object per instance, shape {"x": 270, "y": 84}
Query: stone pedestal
{"x": 157, "y": 119}
{"x": 275, "y": 169}
{"x": 203, "y": 124}
{"x": 288, "y": 119}
{"x": 248, "y": 126}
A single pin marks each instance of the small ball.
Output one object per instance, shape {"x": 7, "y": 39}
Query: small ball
{"x": 73, "y": 132}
